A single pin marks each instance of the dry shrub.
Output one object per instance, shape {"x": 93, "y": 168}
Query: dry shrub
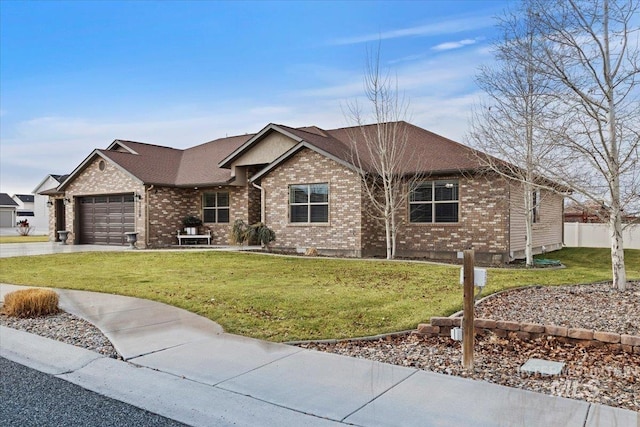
{"x": 31, "y": 303}
{"x": 311, "y": 252}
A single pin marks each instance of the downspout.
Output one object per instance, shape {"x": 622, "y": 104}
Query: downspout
{"x": 147, "y": 230}
{"x": 508, "y": 227}
{"x": 562, "y": 218}
{"x": 263, "y": 214}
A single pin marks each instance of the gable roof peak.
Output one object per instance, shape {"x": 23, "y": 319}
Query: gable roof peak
{"x": 7, "y": 200}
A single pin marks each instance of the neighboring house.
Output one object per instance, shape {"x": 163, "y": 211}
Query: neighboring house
{"x": 25, "y": 207}
{"x": 8, "y": 208}
{"x": 302, "y": 183}
{"x": 591, "y": 212}
{"x": 42, "y": 205}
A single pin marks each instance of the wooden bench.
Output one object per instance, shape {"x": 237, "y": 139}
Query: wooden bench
{"x": 194, "y": 237}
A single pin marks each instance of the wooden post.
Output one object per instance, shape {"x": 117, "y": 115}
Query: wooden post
{"x": 468, "y": 332}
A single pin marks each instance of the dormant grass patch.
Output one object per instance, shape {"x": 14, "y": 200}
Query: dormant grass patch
{"x": 31, "y": 303}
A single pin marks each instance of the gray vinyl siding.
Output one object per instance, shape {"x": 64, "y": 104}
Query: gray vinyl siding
{"x": 547, "y": 231}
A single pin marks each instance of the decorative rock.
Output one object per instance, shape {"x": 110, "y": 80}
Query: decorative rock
{"x": 542, "y": 367}
{"x": 608, "y": 337}
{"x": 500, "y": 333}
{"x": 580, "y": 334}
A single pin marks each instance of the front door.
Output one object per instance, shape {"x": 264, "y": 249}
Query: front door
{"x": 60, "y": 218}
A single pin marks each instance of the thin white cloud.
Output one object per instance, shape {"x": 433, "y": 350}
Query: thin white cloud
{"x": 438, "y": 28}
{"x": 454, "y": 45}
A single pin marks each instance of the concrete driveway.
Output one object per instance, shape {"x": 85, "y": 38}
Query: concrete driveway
{"x": 46, "y": 248}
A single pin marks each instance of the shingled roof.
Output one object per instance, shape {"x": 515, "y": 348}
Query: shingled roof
{"x": 6, "y": 200}
{"x": 209, "y": 163}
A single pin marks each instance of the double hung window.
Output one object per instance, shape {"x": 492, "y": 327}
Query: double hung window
{"x": 309, "y": 203}
{"x": 434, "y": 201}
{"x": 215, "y": 207}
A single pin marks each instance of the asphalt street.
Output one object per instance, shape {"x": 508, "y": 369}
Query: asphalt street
{"x": 32, "y": 398}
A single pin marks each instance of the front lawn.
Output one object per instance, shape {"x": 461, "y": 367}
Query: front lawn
{"x": 292, "y": 298}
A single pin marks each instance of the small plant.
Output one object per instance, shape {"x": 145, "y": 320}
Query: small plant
{"x": 191, "y": 221}
{"x": 257, "y": 233}
{"x": 261, "y": 234}
{"x": 23, "y": 227}
{"x": 238, "y": 232}
{"x": 31, "y": 303}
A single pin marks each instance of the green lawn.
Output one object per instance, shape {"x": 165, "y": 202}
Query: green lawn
{"x": 23, "y": 239}
{"x": 291, "y": 298}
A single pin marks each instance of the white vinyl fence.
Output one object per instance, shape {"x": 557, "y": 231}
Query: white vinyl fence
{"x": 579, "y": 235}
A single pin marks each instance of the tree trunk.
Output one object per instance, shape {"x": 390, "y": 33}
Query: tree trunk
{"x": 615, "y": 216}
{"x": 528, "y": 207}
{"x": 617, "y": 252}
{"x": 387, "y": 230}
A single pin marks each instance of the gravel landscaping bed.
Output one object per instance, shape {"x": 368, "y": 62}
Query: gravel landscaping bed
{"x": 598, "y": 374}
{"x": 601, "y": 374}
{"x": 64, "y": 327}
{"x": 598, "y": 307}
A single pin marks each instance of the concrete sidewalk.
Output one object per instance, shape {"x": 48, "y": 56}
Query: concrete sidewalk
{"x": 184, "y": 367}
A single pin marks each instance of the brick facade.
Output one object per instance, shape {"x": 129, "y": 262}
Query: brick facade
{"x": 485, "y": 205}
{"x": 95, "y": 181}
{"x": 169, "y": 205}
{"x": 482, "y": 224}
{"x": 342, "y": 235}
{"x": 353, "y": 230}
{"x": 166, "y": 206}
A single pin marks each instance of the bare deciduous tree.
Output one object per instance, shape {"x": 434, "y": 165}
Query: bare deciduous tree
{"x": 508, "y": 125}
{"x": 591, "y": 49}
{"x": 379, "y": 148}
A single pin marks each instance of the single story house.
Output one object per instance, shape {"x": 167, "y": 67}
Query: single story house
{"x": 304, "y": 184}
{"x": 8, "y": 208}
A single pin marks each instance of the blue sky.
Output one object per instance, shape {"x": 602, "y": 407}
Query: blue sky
{"x": 76, "y": 75}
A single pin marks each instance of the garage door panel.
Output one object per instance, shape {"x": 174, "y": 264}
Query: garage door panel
{"x": 105, "y": 219}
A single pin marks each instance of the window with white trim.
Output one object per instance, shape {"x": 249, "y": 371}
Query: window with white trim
{"x": 434, "y": 202}
{"x": 309, "y": 203}
{"x": 215, "y": 206}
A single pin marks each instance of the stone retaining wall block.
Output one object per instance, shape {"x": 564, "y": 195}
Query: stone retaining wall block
{"x": 630, "y": 340}
{"x": 608, "y": 337}
{"x": 580, "y": 334}
{"x": 508, "y": 326}
{"x": 484, "y": 323}
{"x": 441, "y": 321}
{"x": 556, "y": 331}
{"x": 532, "y": 327}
